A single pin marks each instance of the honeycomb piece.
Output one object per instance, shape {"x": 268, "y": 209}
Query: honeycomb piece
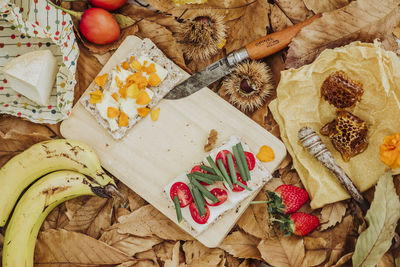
{"x": 348, "y": 134}
{"x": 339, "y": 90}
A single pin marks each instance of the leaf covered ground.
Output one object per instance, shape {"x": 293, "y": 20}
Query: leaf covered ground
{"x": 93, "y": 231}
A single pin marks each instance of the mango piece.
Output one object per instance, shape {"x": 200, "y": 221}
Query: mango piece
{"x": 389, "y": 151}
{"x": 266, "y": 154}
{"x": 143, "y": 98}
{"x": 101, "y": 80}
{"x": 118, "y": 68}
{"x": 115, "y": 96}
{"x": 154, "y": 80}
{"x": 132, "y": 91}
{"x": 154, "y": 114}
{"x": 112, "y": 112}
{"x": 132, "y": 59}
{"x": 136, "y": 65}
{"x": 150, "y": 69}
{"x": 122, "y": 92}
{"x": 125, "y": 65}
{"x": 143, "y": 112}
{"x": 123, "y": 120}
{"x": 96, "y": 97}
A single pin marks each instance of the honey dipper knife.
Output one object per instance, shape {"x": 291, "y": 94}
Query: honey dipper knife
{"x": 313, "y": 143}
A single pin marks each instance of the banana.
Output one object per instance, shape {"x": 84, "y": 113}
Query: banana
{"x": 31, "y": 210}
{"x": 41, "y": 159}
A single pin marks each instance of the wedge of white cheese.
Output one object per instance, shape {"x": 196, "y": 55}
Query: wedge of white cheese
{"x": 259, "y": 175}
{"x": 32, "y": 75}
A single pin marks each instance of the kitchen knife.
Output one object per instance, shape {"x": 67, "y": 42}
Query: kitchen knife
{"x": 257, "y": 49}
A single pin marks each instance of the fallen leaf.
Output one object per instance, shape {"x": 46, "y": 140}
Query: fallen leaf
{"x": 320, "y": 6}
{"x": 174, "y": 261}
{"x": 294, "y": 9}
{"x": 337, "y": 251}
{"x": 92, "y": 217}
{"x": 314, "y": 243}
{"x": 314, "y": 257}
{"x": 386, "y": 261}
{"x": 396, "y": 31}
{"x": 249, "y": 263}
{"x": 279, "y": 20}
{"x": 245, "y": 29}
{"x": 121, "y": 212}
{"x": 284, "y": 251}
{"x": 164, "y": 250}
{"x": 63, "y": 247}
{"x": 1, "y": 245}
{"x": 241, "y": 245}
{"x": 127, "y": 243}
{"x": 292, "y": 177}
{"x": 345, "y": 258}
{"x": 248, "y": 222}
{"x": 362, "y": 20}
{"x": 17, "y": 134}
{"x": 332, "y": 214}
{"x": 382, "y": 219}
{"x": 197, "y": 255}
{"x": 231, "y": 261}
{"x": 148, "y": 221}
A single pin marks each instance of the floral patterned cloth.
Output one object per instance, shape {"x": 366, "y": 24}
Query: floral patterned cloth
{"x": 27, "y": 25}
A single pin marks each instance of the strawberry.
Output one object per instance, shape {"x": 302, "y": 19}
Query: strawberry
{"x": 286, "y": 199}
{"x": 298, "y": 223}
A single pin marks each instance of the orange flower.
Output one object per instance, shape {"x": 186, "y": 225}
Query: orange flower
{"x": 389, "y": 151}
{"x": 101, "y": 80}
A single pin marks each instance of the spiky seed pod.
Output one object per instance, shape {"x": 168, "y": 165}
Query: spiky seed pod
{"x": 249, "y": 85}
{"x": 201, "y": 36}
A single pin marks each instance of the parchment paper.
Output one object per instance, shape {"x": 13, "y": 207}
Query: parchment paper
{"x": 299, "y": 104}
{"x": 28, "y": 25}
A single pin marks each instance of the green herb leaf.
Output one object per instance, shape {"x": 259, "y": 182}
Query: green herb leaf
{"x": 207, "y": 169}
{"x": 382, "y": 219}
{"x": 242, "y": 156}
{"x": 178, "y": 208}
{"x": 239, "y": 162}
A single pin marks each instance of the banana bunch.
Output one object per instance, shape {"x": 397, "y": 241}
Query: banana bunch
{"x": 61, "y": 166}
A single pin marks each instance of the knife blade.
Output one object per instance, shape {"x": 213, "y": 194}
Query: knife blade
{"x": 257, "y": 49}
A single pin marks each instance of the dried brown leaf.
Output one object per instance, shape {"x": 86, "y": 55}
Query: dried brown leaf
{"x": 127, "y": 243}
{"x": 337, "y": 251}
{"x": 387, "y": 261}
{"x": 292, "y": 177}
{"x": 164, "y": 250}
{"x": 174, "y": 261}
{"x": 92, "y": 217}
{"x": 248, "y": 222}
{"x": 241, "y": 245}
{"x": 314, "y": 257}
{"x": 284, "y": 251}
{"x": 315, "y": 243}
{"x": 245, "y": 29}
{"x": 332, "y": 214}
{"x": 197, "y": 255}
{"x": 396, "y": 31}
{"x": 16, "y": 135}
{"x": 121, "y": 212}
{"x": 279, "y": 20}
{"x": 360, "y": 20}
{"x": 148, "y": 221}
{"x": 295, "y": 10}
{"x": 320, "y": 6}
{"x": 231, "y": 261}
{"x": 64, "y": 247}
{"x": 344, "y": 259}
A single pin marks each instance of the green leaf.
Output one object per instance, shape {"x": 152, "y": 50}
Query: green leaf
{"x": 382, "y": 219}
{"x": 123, "y": 21}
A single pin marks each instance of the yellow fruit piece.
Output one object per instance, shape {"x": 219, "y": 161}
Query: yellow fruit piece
{"x": 222, "y": 43}
{"x": 132, "y": 59}
{"x": 136, "y": 65}
{"x": 139, "y": 79}
{"x": 118, "y": 68}
{"x": 150, "y": 69}
{"x": 266, "y": 154}
{"x": 123, "y": 120}
{"x": 112, "y": 112}
{"x": 96, "y": 97}
{"x": 101, "y": 80}
{"x": 122, "y": 92}
{"x": 115, "y": 96}
{"x": 389, "y": 151}
{"x": 154, "y": 114}
{"x": 143, "y": 112}
{"x": 143, "y": 98}
{"x": 154, "y": 80}
{"x": 132, "y": 91}
{"x": 125, "y": 65}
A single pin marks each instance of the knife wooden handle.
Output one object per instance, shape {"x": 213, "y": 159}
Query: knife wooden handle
{"x": 276, "y": 41}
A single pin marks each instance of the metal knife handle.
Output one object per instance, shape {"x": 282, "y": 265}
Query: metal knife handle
{"x": 276, "y": 41}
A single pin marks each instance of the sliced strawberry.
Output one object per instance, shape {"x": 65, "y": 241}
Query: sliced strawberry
{"x": 286, "y": 199}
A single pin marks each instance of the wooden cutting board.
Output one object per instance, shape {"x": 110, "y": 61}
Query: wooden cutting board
{"x": 152, "y": 154}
